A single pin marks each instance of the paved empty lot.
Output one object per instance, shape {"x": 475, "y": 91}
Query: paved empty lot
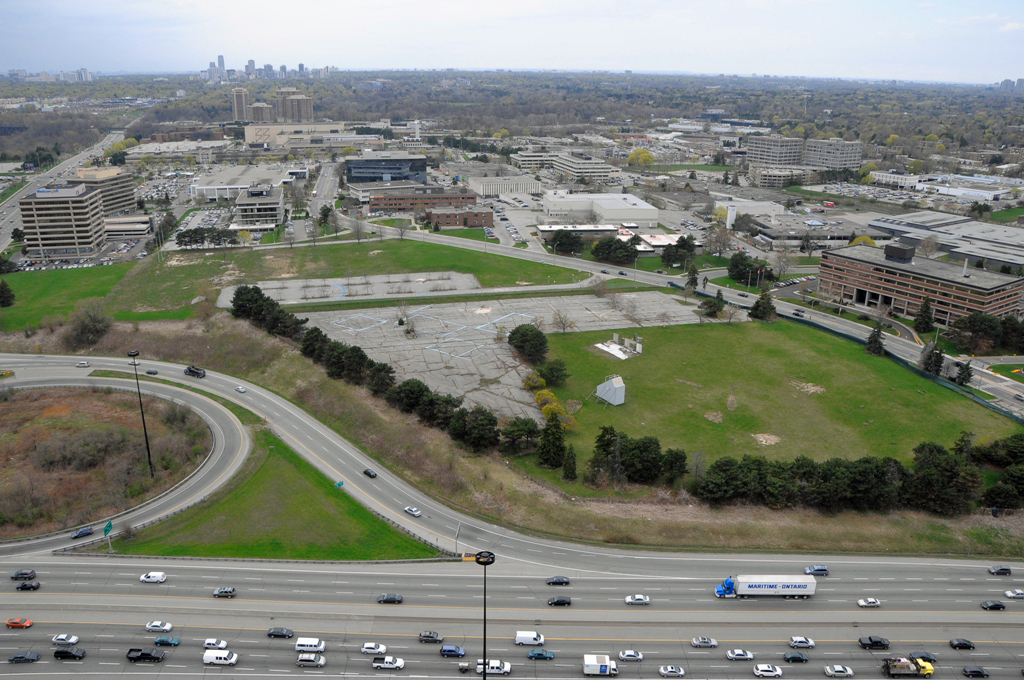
{"x": 456, "y": 348}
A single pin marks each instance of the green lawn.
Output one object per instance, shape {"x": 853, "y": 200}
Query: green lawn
{"x": 46, "y": 293}
{"x": 158, "y": 289}
{"x": 1011, "y": 371}
{"x": 11, "y": 190}
{"x": 394, "y": 222}
{"x": 1009, "y": 215}
{"x": 870, "y": 406}
{"x": 472, "y": 233}
{"x": 279, "y": 507}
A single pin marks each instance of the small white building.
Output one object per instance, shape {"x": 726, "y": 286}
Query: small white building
{"x": 610, "y": 208}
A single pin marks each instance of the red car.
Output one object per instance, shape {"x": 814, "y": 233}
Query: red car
{"x": 19, "y": 623}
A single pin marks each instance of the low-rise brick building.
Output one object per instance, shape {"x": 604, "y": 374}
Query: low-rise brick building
{"x": 460, "y": 217}
{"x": 418, "y": 202}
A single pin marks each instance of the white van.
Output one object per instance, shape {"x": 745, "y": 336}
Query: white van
{"x": 310, "y": 645}
{"x": 219, "y": 657}
{"x": 529, "y": 637}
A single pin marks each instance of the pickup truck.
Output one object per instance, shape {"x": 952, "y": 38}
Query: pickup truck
{"x": 494, "y": 667}
{"x": 138, "y": 654}
{"x": 873, "y": 642}
{"x": 390, "y": 663}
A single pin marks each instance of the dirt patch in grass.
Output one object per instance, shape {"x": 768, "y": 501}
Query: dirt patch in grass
{"x": 766, "y": 439}
{"x": 714, "y": 416}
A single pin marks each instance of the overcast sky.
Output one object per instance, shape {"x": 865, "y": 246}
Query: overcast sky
{"x": 976, "y": 41}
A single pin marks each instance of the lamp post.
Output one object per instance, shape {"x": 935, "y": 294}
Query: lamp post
{"x": 149, "y": 456}
{"x": 635, "y": 262}
{"x": 483, "y": 558}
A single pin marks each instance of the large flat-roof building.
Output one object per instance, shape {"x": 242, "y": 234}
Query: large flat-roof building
{"x": 228, "y": 182}
{"x": 893, "y": 277}
{"x": 62, "y": 219}
{"x": 116, "y": 187}
{"x": 573, "y": 164}
{"x": 416, "y": 202}
{"x": 460, "y": 217}
{"x": 260, "y": 204}
{"x": 385, "y": 166}
{"x": 832, "y": 154}
{"x": 240, "y": 103}
{"x": 772, "y": 150}
{"x": 260, "y": 112}
{"x": 497, "y": 186}
{"x": 610, "y": 208}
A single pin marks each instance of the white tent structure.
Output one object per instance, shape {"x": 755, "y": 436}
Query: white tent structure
{"x": 612, "y": 390}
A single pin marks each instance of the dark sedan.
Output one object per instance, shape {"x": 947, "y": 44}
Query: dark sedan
{"x": 28, "y": 585}
{"x": 961, "y": 643}
{"x": 560, "y": 601}
{"x": 993, "y": 604}
{"x": 23, "y": 575}
{"x": 369, "y": 473}
{"x": 84, "y": 531}
{"x": 975, "y": 672}
{"x": 794, "y": 657}
{"x": 73, "y": 653}
{"x": 280, "y": 633}
{"x": 389, "y": 598}
{"x": 558, "y": 581}
{"x": 24, "y": 657}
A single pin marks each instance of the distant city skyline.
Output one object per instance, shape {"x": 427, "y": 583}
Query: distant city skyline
{"x": 939, "y": 41}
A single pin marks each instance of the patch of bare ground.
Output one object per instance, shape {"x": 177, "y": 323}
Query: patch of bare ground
{"x": 487, "y": 486}
{"x": 764, "y": 439}
{"x": 70, "y": 456}
{"x": 714, "y": 416}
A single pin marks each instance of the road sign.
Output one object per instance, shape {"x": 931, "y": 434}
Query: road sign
{"x": 107, "y": 529}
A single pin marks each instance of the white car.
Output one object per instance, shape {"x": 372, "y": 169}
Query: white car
{"x": 766, "y": 670}
{"x": 240, "y": 389}
{"x": 703, "y": 642}
{"x": 838, "y": 671}
{"x": 159, "y": 627}
{"x": 739, "y": 655}
{"x": 415, "y": 512}
{"x": 630, "y": 655}
{"x": 637, "y": 599}
{"x": 214, "y": 643}
{"x": 153, "y": 577}
{"x": 671, "y": 672}
{"x": 869, "y": 602}
{"x": 373, "y": 648}
{"x": 65, "y": 639}
{"x": 1017, "y": 594}
{"x": 799, "y": 642}
{"x": 82, "y": 364}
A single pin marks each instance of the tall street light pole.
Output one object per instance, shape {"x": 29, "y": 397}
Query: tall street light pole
{"x": 149, "y": 456}
{"x": 483, "y": 558}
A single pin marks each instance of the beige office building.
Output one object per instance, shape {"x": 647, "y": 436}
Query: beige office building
{"x": 117, "y": 190}
{"x": 775, "y": 150}
{"x": 240, "y": 103}
{"x": 261, "y": 113}
{"x": 832, "y": 154}
{"x": 62, "y": 220}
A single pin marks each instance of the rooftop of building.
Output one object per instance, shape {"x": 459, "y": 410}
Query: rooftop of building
{"x": 61, "y": 190}
{"x": 396, "y": 184}
{"x": 937, "y": 270}
{"x": 275, "y": 197}
{"x": 244, "y": 176}
{"x": 984, "y": 231}
{"x": 371, "y": 155}
{"x": 156, "y": 148}
{"x": 99, "y": 173}
{"x": 458, "y": 211}
{"x": 924, "y": 219}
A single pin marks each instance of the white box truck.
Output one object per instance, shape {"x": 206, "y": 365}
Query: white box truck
{"x": 599, "y": 664}
{"x": 797, "y": 587}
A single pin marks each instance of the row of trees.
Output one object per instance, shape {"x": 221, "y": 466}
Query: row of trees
{"x": 203, "y": 236}
{"x": 939, "y": 481}
{"x": 249, "y": 302}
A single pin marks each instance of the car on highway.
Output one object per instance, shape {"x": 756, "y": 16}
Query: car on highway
{"x": 72, "y": 653}
{"x": 961, "y": 643}
{"x": 452, "y": 651}
{"x": 816, "y": 570}
{"x": 622, "y": 273}
{"x": 65, "y": 639}
{"x": 389, "y": 598}
{"x": 703, "y": 642}
{"x": 797, "y": 312}
{"x": 214, "y": 643}
{"x": 800, "y": 642}
{"x": 28, "y": 585}
{"x": 869, "y": 602}
{"x": 540, "y": 655}
{"x": 82, "y": 364}
{"x": 159, "y": 627}
{"x": 766, "y": 670}
{"x": 637, "y": 599}
{"x": 925, "y": 656}
{"x": 1000, "y": 571}
{"x": 23, "y": 575}
{"x": 153, "y": 577}
{"x": 975, "y": 672}
{"x": 605, "y": 271}
{"x": 224, "y": 592}
{"x": 311, "y": 660}
{"x": 370, "y": 473}
{"x": 19, "y": 622}
{"x": 431, "y": 636}
{"x": 987, "y": 604}
{"x": 280, "y": 632}
{"x": 410, "y": 510}
{"x": 240, "y": 389}
{"x": 873, "y": 642}
{"x": 739, "y": 655}
{"x": 630, "y": 655}
{"x": 558, "y": 581}
{"x": 84, "y": 531}
{"x": 795, "y": 657}
{"x": 166, "y": 641}
{"x": 671, "y": 672}
{"x": 1016, "y": 594}
{"x": 744, "y": 294}
{"x": 372, "y": 648}
{"x": 152, "y": 371}
{"x": 838, "y": 671}
{"x": 23, "y": 657}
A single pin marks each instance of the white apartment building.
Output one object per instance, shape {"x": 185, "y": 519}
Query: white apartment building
{"x": 832, "y": 154}
{"x": 496, "y": 186}
{"x": 606, "y": 208}
{"x": 573, "y": 165}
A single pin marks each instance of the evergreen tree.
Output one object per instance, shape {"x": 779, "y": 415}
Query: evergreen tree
{"x": 569, "y": 465}
{"x": 763, "y": 309}
{"x": 932, "y": 359}
{"x": 691, "y": 279}
{"x": 875, "y": 346}
{"x": 923, "y": 322}
{"x": 964, "y": 374}
{"x": 551, "y": 448}
{"x": 6, "y": 294}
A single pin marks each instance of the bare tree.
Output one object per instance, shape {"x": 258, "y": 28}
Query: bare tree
{"x": 289, "y": 236}
{"x": 562, "y": 321}
{"x": 599, "y": 287}
{"x": 332, "y": 222}
{"x": 359, "y": 230}
{"x": 730, "y": 312}
{"x": 402, "y": 227}
{"x": 928, "y": 246}
{"x": 781, "y": 262}
{"x": 718, "y": 240}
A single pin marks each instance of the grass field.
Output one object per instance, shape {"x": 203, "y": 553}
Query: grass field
{"x": 11, "y": 190}
{"x": 278, "y": 507}
{"x": 1007, "y": 215}
{"x": 870, "y": 406}
{"x": 1011, "y": 371}
{"x": 472, "y": 233}
{"x": 46, "y": 293}
{"x": 167, "y": 290}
